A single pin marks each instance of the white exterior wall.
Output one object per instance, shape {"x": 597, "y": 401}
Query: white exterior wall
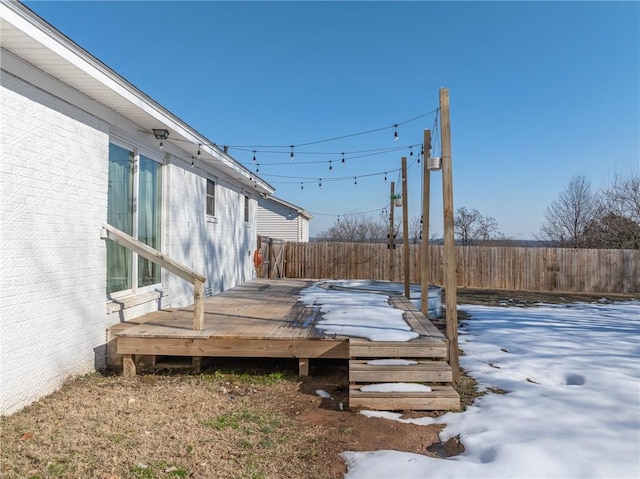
{"x": 53, "y": 199}
{"x": 220, "y": 248}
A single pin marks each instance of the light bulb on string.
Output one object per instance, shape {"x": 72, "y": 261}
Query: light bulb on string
{"x": 254, "y": 156}
{"x": 338, "y": 218}
{"x": 292, "y": 155}
{"x": 161, "y": 145}
{"x": 302, "y": 185}
{"x": 343, "y": 159}
{"x": 385, "y": 176}
{"x": 192, "y": 163}
{"x": 330, "y": 167}
{"x": 395, "y": 133}
{"x": 410, "y": 152}
{"x": 355, "y": 181}
{"x": 257, "y": 167}
{"x": 319, "y": 182}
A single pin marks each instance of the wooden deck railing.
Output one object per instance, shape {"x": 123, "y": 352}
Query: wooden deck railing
{"x": 147, "y": 252}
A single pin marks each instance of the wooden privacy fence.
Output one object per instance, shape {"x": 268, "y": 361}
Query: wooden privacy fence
{"x": 486, "y": 267}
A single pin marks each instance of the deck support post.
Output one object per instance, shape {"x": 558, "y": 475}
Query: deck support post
{"x": 196, "y": 363}
{"x": 128, "y": 366}
{"x": 198, "y": 305}
{"x": 303, "y": 367}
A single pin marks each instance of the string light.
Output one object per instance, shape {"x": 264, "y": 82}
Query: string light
{"x": 319, "y": 182}
{"x": 161, "y": 145}
{"x": 302, "y": 185}
{"x": 330, "y": 167}
{"x": 355, "y": 181}
{"x": 342, "y": 137}
{"x": 385, "y": 176}
{"x": 254, "y": 156}
{"x": 292, "y": 156}
{"x": 257, "y": 167}
{"x": 410, "y": 152}
{"x": 343, "y": 158}
{"x": 395, "y": 133}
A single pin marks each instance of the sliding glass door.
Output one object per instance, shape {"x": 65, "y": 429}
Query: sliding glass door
{"x": 134, "y": 207}
{"x": 149, "y": 217}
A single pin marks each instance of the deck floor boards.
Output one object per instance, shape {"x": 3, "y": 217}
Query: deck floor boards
{"x": 261, "y": 309}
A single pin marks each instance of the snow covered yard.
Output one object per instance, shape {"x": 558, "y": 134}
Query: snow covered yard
{"x": 572, "y": 405}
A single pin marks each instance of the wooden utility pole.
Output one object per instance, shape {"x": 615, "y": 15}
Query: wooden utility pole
{"x": 424, "y": 247}
{"x": 449, "y": 242}
{"x": 405, "y": 227}
{"x": 392, "y": 243}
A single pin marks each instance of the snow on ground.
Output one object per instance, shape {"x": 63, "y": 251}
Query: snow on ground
{"x": 360, "y": 315}
{"x": 572, "y": 408}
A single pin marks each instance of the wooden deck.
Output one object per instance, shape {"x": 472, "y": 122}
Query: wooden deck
{"x": 264, "y": 319}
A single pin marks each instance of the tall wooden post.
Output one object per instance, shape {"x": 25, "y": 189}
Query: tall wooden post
{"x": 405, "y": 228}
{"x": 424, "y": 247}
{"x": 449, "y": 241}
{"x": 392, "y": 244}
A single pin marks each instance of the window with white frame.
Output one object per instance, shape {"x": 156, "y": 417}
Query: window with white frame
{"x": 134, "y": 207}
{"x": 211, "y": 197}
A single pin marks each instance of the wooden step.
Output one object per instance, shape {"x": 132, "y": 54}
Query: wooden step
{"x": 441, "y": 398}
{"x": 416, "y": 348}
{"x": 423, "y": 372}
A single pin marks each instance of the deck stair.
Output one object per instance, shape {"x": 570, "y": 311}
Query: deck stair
{"x": 427, "y": 366}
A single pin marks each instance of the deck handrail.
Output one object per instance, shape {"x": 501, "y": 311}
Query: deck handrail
{"x": 114, "y": 234}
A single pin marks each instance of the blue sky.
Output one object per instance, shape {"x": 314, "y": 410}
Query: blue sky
{"x": 539, "y": 91}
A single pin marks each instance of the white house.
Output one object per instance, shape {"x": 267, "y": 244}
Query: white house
{"x": 78, "y": 150}
{"x": 280, "y": 219}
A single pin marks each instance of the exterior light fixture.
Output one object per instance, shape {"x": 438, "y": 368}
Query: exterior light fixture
{"x": 160, "y": 134}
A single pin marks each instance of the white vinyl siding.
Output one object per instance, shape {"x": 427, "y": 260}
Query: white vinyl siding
{"x": 280, "y": 221}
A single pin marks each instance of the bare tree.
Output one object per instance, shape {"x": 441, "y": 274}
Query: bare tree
{"x": 415, "y": 230}
{"x": 613, "y": 231}
{"x": 622, "y": 197}
{"x": 471, "y": 225}
{"x": 355, "y": 228}
{"x": 567, "y": 218}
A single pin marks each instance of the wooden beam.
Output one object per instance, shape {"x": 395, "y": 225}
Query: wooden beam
{"x": 405, "y": 229}
{"x": 235, "y": 348}
{"x": 424, "y": 251}
{"x": 449, "y": 240}
{"x": 147, "y": 252}
{"x": 128, "y": 366}
{"x": 198, "y": 305}
{"x": 392, "y": 243}
{"x": 303, "y": 367}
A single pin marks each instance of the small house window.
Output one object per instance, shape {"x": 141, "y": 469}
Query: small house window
{"x": 211, "y": 197}
{"x": 246, "y": 209}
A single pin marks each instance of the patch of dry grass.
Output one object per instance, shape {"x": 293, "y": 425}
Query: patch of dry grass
{"x": 204, "y": 426}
